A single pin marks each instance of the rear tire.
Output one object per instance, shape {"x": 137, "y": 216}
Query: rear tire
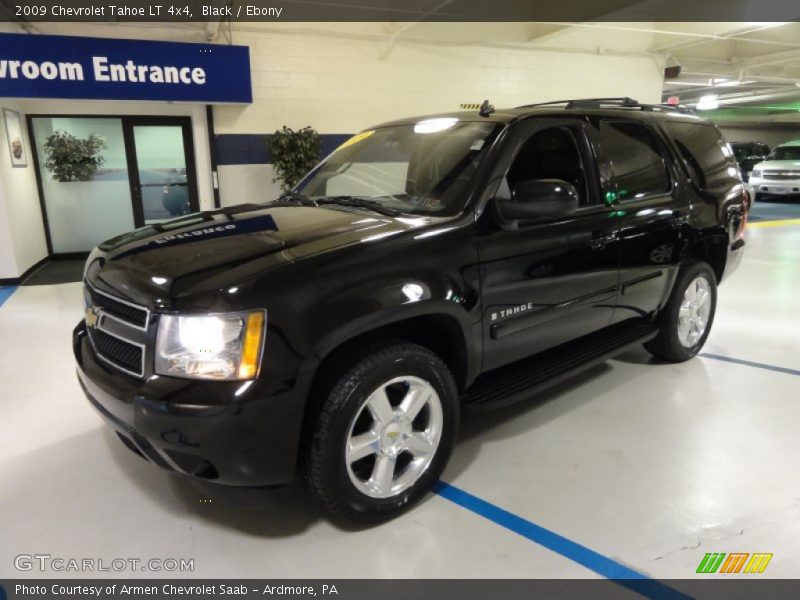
{"x": 685, "y": 322}
{"x": 384, "y": 434}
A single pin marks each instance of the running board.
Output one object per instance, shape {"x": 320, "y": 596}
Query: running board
{"x": 524, "y": 378}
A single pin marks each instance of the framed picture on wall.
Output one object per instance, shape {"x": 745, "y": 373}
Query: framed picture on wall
{"x": 16, "y": 142}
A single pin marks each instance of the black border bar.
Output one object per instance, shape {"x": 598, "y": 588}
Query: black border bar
{"x": 730, "y": 587}
{"x": 402, "y": 11}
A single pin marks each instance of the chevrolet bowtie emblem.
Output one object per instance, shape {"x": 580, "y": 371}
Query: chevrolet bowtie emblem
{"x": 91, "y": 317}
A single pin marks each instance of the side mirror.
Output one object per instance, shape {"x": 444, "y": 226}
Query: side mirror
{"x": 539, "y": 199}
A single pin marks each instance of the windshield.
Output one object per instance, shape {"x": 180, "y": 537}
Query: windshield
{"x": 421, "y": 168}
{"x": 785, "y": 153}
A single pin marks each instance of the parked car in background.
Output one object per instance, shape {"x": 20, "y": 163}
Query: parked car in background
{"x": 779, "y": 174}
{"x": 749, "y": 154}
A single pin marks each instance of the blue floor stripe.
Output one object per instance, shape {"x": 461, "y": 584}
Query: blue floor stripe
{"x": 619, "y": 573}
{"x": 5, "y": 293}
{"x": 749, "y": 363}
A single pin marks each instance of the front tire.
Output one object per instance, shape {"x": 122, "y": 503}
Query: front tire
{"x": 384, "y": 434}
{"x": 686, "y": 320}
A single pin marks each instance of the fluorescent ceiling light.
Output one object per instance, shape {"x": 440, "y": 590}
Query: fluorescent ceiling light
{"x": 735, "y": 83}
{"x": 765, "y": 24}
{"x": 709, "y": 102}
{"x": 684, "y": 83}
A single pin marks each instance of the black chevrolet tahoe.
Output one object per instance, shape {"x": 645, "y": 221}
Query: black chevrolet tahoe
{"x": 428, "y": 265}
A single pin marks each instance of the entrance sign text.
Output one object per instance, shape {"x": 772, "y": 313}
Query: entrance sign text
{"x": 42, "y": 66}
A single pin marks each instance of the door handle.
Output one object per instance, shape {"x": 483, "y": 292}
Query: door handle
{"x": 599, "y": 242}
{"x": 678, "y": 220}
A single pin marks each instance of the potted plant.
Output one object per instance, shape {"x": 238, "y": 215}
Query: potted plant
{"x": 70, "y": 158}
{"x": 294, "y": 153}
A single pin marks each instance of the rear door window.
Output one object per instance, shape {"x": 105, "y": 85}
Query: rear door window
{"x": 636, "y": 159}
{"x": 708, "y": 158}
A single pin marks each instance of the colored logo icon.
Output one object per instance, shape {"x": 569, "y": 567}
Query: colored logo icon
{"x": 735, "y": 562}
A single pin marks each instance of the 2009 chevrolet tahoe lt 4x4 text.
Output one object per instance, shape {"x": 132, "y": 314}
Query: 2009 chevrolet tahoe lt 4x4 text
{"x": 427, "y": 265}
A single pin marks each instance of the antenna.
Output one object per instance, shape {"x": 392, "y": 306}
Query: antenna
{"x": 486, "y": 109}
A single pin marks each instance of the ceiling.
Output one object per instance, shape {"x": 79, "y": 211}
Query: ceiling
{"x": 743, "y": 64}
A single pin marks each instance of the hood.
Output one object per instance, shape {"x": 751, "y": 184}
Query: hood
{"x": 171, "y": 258}
{"x": 779, "y": 165}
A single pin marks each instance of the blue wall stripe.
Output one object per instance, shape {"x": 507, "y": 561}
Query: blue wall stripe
{"x": 5, "y": 293}
{"x": 251, "y": 148}
{"x": 607, "y": 567}
{"x": 749, "y": 363}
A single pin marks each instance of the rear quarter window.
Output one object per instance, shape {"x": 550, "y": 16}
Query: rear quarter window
{"x": 707, "y": 157}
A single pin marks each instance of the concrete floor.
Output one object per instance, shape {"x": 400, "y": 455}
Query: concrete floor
{"x": 649, "y": 465}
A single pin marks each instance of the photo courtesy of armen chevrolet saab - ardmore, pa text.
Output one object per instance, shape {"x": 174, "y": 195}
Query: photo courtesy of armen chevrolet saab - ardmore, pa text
{"x": 403, "y": 299}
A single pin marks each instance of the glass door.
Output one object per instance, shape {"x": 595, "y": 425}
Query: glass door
{"x": 100, "y": 177}
{"x": 161, "y": 166}
{"x": 83, "y": 176}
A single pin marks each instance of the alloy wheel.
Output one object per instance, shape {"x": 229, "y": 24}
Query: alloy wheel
{"x": 394, "y": 436}
{"x": 694, "y": 312}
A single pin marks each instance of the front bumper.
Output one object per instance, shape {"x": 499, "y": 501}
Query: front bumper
{"x": 774, "y": 187}
{"x": 235, "y": 433}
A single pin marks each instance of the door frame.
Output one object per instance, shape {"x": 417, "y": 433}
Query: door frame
{"x": 128, "y": 123}
{"x": 516, "y": 138}
{"x": 138, "y": 213}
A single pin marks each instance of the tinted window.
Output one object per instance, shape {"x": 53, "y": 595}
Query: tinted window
{"x": 637, "y": 165}
{"x": 551, "y": 154}
{"x": 705, "y": 153}
{"x": 785, "y": 153}
{"x": 741, "y": 150}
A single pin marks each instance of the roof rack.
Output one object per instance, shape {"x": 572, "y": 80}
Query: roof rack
{"x": 622, "y": 102}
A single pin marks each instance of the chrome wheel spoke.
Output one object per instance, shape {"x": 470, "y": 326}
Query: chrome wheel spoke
{"x": 420, "y": 445}
{"x": 383, "y": 473}
{"x": 691, "y": 293}
{"x": 379, "y": 406}
{"x": 414, "y": 401}
{"x": 363, "y": 445}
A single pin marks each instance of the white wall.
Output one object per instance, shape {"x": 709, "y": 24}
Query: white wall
{"x": 22, "y": 241}
{"x": 239, "y": 184}
{"x": 336, "y": 81}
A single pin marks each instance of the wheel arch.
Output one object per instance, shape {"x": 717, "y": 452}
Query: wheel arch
{"x": 711, "y": 248}
{"x": 437, "y": 330}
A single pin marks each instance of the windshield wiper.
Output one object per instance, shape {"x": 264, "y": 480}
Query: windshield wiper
{"x": 291, "y": 197}
{"x": 357, "y": 202}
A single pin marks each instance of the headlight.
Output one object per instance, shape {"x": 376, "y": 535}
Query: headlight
{"x": 755, "y": 173}
{"x": 224, "y": 346}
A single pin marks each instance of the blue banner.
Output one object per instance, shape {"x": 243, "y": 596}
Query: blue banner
{"x": 55, "y": 66}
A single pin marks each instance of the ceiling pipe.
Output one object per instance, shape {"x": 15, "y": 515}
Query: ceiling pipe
{"x": 720, "y": 36}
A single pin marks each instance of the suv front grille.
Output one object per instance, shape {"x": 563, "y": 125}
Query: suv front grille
{"x": 125, "y": 311}
{"x": 774, "y": 174}
{"x": 117, "y": 330}
{"x": 123, "y": 355}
